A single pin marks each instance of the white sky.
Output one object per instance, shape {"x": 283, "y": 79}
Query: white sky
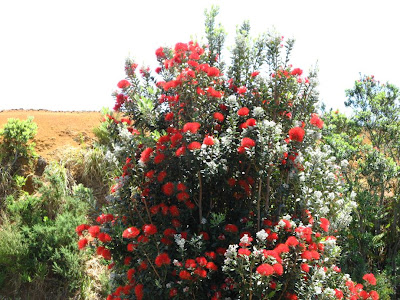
{"x": 69, "y": 55}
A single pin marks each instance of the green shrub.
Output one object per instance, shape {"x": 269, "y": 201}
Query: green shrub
{"x": 38, "y": 240}
{"x": 15, "y": 137}
{"x": 13, "y": 252}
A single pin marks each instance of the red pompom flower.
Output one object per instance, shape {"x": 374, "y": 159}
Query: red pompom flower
{"x": 123, "y": 84}
{"x": 296, "y": 134}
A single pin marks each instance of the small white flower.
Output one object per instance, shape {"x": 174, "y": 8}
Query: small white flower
{"x": 231, "y": 251}
{"x": 245, "y": 239}
{"x": 344, "y": 163}
{"x": 258, "y": 112}
{"x": 281, "y": 224}
{"x": 317, "y": 194}
{"x": 231, "y": 100}
{"x": 262, "y": 235}
{"x": 318, "y": 290}
{"x": 179, "y": 241}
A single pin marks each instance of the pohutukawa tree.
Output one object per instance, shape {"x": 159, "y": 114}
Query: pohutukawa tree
{"x": 224, "y": 192}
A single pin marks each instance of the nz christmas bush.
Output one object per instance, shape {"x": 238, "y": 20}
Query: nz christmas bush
{"x": 224, "y": 192}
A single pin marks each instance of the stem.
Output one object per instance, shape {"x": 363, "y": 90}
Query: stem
{"x": 200, "y": 197}
{"x": 268, "y": 190}
{"x": 258, "y": 205}
{"x": 147, "y": 210}
{"x": 158, "y": 275}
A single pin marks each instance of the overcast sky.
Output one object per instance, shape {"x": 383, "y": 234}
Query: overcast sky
{"x": 69, "y": 55}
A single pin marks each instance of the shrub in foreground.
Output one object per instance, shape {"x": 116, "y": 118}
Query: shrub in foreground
{"x": 225, "y": 192}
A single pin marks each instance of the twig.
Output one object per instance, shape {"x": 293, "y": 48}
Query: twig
{"x": 200, "y": 197}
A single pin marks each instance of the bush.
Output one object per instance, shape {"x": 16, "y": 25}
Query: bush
{"x": 16, "y": 136}
{"x": 224, "y": 192}
{"x": 38, "y": 246}
{"x": 15, "y": 150}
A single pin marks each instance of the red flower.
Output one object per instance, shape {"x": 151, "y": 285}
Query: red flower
{"x": 208, "y": 140}
{"x": 296, "y": 134}
{"x": 173, "y": 292}
{"x": 305, "y": 267}
{"x": 315, "y": 254}
{"x": 199, "y": 91}
{"x": 220, "y": 250}
{"x": 169, "y": 232}
{"x": 193, "y": 127}
{"x": 297, "y": 71}
{"x": 182, "y": 196}
{"x": 176, "y": 223}
{"x": 160, "y": 52}
{"x": 130, "y": 273}
{"x": 123, "y": 84}
{"x": 174, "y": 211}
{"x": 168, "y": 188}
{"x": 82, "y": 243}
{"x": 324, "y": 224}
{"x": 104, "y": 237}
{"x": 159, "y": 158}
{"x": 180, "y": 151}
{"x": 185, "y": 275}
{"x": 162, "y": 259}
{"x": 244, "y": 252}
{"x": 194, "y": 145}
{"x": 200, "y": 272}
{"x": 211, "y": 266}
{"x": 290, "y": 296}
{"x": 213, "y": 71}
{"x": 316, "y": 121}
{"x": 218, "y": 116}
{"x": 241, "y": 90}
{"x": 181, "y": 187}
{"x": 278, "y": 269}
{"x": 81, "y": 228}
{"x": 202, "y": 261}
{"x": 306, "y": 255}
{"x": 181, "y": 47}
{"x": 292, "y": 241}
{"x": 370, "y": 278}
{"x": 281, "y": 248}
{"x": 94, "y": 230}
{"x": 255, "y": 73}
{"x": 244, "y": 111}
{"x": 338, "y": 294}
{"x": 149, "y": 229}
{"x": 161, "y": 176}
{"x": 265, "y": 270}
{"x": 213, "y": 93}
{"x": 231, "y": 228}
{"x": 374, "y": 295}
{"x": 139, "y": 291}
{"x": 106, "y": 253}
{"x": 130, "y": 247}
{"x": 169, "y": 116}
{"x": 190, "y": 264}
{"x": 145, "y": 155}
{"x": 250, "y": 122}
{"x": 130, "y": 233}
{"x": 247, "y": 143}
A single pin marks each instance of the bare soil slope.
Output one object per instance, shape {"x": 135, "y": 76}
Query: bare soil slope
{"x": 57, "y": 130}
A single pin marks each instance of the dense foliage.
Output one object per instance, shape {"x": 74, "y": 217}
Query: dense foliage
{"x": 225, "y": 191}
{"x": 370, "y": 142}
